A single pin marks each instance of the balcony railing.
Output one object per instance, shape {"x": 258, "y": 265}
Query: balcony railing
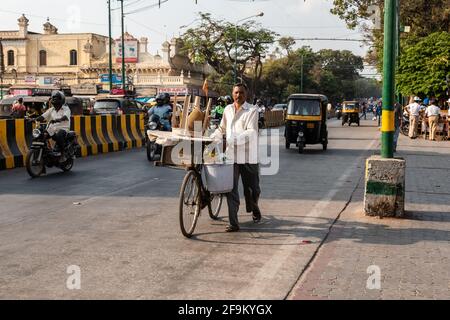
{"x": 158, "y": 80}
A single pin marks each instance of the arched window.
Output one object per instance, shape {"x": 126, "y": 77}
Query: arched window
{"x": 10, "y": 57}
{"x": 42, "y": 58}
{"x": 73, "y": 57}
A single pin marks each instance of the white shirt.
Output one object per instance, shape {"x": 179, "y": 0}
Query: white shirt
{"x": 241, "y": 130}
{"x": 52, "y": 114}
{"x": 414, "y": 109}
{"x": 433, "y": 111}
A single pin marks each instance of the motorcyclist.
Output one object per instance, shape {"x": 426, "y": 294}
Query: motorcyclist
{"x": 163, "y": 110}
{"x": 261, "y": 110}
{"x": 58, "y": 116}
{"x": 217, "y": 113}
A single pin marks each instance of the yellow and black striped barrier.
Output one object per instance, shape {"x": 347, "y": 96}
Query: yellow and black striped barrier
{"x": 95, "y": 134}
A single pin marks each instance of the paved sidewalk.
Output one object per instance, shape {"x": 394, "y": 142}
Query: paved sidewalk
{"x": 412, "y": 254}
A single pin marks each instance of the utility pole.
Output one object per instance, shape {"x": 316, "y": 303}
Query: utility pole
{"x": 301, "y": 77}
{"x": 398, "y": 48}
{"x": 390, "y": 35}
{"x": 110, "y": 46}
{"x": 2, "y": 68}
{"x": 123, "y": 45}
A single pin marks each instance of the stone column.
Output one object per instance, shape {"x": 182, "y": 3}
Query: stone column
{"x": 385, "y": 187}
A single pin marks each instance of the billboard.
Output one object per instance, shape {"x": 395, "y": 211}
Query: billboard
{"x": 131, "y": 51}
{"x": 116, "y": 79}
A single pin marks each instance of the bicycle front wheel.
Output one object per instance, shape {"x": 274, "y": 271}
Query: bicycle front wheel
{"x": 189, "y": 203}
{"x": 215, "y": 205}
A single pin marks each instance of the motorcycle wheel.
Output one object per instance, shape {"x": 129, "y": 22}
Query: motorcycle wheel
{"x": 34, "y": 170}
{"x": 151, "y": 151}
{"x": 288, "y": 145}
{"x": 405, "y": 130}
{"x": 67, "y": 166}
{"x": 301, "y": 148}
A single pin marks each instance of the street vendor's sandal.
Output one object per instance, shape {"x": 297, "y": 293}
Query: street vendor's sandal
{"x": 232, "y": 228}
{"x": 256, "y": 217}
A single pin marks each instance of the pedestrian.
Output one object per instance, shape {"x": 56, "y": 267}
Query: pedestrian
{"x": 19, "y": 110}
{"x": 379, "y": 112}
{"x": 364, "y": 110}
{"x": 433, "y": 112}
{"x": 239, "y": 124}
{"x": 398, "y": 116}
{"x": 414, "y": 112}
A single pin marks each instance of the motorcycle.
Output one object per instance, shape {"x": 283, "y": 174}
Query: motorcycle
{"x": 41, "y": 154}
{"x": 153, "y": 149}
{"x": 260, "y": 119}
{"x": 405, "y": 124}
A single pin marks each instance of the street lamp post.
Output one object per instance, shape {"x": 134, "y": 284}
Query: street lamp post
{"x": 236, "y": 42}
{"x": 110, "y": 46}
{"x": 123, "y": 45}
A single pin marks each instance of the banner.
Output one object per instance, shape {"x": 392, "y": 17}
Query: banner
{"x": 131, "y": 51}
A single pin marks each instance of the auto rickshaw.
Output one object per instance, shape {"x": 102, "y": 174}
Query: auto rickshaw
{"x": 306, "y": 119}
{"x": 350, "y": 112}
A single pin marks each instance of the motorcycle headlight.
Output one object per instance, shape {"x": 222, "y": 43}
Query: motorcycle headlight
{"x": 301, "y": 134}
{"x": 152, "y": 125}
{"x": 36, "y": 133}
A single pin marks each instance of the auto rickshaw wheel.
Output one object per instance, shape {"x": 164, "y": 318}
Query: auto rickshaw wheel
{"x": 325, "y": 145}
{"x": 301, "y": 148}
{"x": 288, "y": 145}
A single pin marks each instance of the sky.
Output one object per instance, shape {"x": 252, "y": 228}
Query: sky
{"x": 295, "y": 18}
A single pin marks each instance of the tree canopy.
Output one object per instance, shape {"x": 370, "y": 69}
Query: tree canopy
{"x": 331, "y": 72}
{"x": 424, "y": 66}
{"x": 214, "y": 42}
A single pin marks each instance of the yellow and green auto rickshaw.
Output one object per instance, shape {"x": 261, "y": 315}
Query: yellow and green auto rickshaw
{"x": 306, "y": 121}
{"x": 350, "y": 112}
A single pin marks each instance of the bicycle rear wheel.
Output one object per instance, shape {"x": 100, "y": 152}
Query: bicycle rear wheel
{"x": 189, "y": 203}
{"x": 215, "y": 205}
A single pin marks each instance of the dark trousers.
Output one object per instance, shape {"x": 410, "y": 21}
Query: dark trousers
{"x": 250, "y": 181}
{"x": 60, "y": 138}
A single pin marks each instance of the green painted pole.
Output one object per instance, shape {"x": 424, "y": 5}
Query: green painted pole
{"x": 110, "y": 46}
{"x": 123, "y": 46}
{"x": 387, "y": 127}
{"x": 398, "y": 49}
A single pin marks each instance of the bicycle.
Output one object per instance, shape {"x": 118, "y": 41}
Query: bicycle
{"x": 193, "y": 198}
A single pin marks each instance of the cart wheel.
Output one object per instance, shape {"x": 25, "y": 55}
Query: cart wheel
{"x": 189, "y": 203}
{"x": 215, "y": 205}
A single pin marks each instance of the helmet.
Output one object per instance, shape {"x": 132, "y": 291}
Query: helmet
{"x": 259, "y": 101}
{"x": 228, "y": 100}
{"x": 162, "y": 98}
{"x": 58, "y": 98}
{"x": 417, "y": 99}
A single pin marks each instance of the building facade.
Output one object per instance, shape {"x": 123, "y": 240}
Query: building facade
{"x": 81, "y": 59}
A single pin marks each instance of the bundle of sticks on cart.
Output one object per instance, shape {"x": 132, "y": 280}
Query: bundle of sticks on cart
{"x": 190, "y": 125}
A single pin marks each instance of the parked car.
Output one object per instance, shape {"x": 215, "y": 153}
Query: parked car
{"x": 280, "y": 106}
{"x": 117, "y": 106}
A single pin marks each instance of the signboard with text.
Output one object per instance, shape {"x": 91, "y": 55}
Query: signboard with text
{"x": 180, "y": 91}
{"x": 30, "y": 79}
{"x": 116, "y": 79}
{"x": 131, "y": 51}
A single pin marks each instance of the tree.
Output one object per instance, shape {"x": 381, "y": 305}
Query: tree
{"x": 423, "y": 16}
{"x": 214, "y": 42}
{"x": 330, "y": 72}
{"x": 424, "y": 67}
{"x": 286, "y": 43}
